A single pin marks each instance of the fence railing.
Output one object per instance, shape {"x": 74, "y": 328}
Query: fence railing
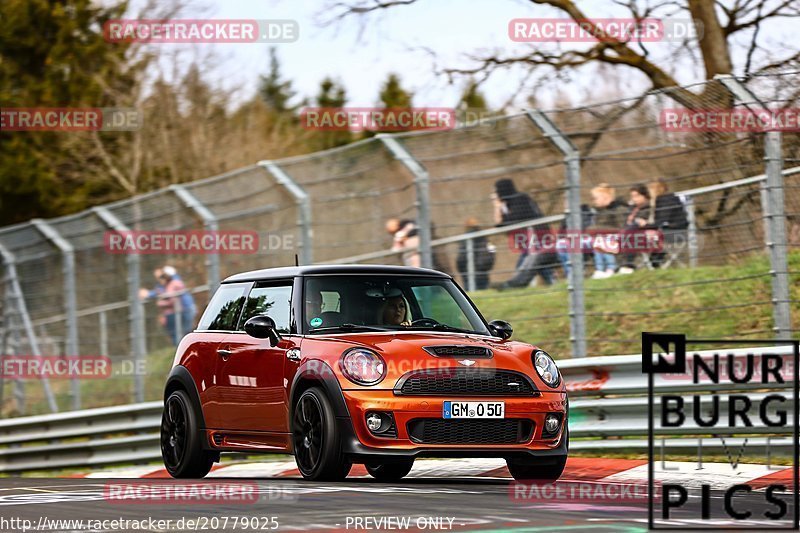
{"x": 81, "y": 300}
{"x": 691, "y": 249}
{"x": 608, "y": 412}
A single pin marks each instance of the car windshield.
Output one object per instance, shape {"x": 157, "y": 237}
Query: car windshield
{"x": 356, "y": 303}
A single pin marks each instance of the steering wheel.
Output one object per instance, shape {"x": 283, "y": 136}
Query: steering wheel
{"x": 424, "y": 322}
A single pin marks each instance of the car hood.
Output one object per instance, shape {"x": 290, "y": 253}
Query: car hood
{"x": 410, "y": 347}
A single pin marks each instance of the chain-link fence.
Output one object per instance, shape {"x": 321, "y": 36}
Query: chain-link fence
{"x": 732, "y": 271}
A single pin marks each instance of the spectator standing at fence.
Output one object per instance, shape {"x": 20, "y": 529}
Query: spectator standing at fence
{"x": 176, "y": 305}
{"x": 155, "y": 294}
{"x": 405, "y": 235}
{"x": 637, "y": 219}
{"x": 484, "y": 255}
{"x": 668, "y": 215}
{"x": 182, "y": 304}
{"x": 609, "y": 214}
{"x": 511, "y": 206}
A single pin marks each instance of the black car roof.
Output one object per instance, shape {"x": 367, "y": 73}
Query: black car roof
{"x": 311, "y": 270}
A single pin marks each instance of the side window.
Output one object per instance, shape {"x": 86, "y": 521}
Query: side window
{"x": 223, "y": 311}
{"x": 274, "y": 301}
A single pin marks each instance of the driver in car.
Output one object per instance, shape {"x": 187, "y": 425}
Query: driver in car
{"x": 394, "y": 312}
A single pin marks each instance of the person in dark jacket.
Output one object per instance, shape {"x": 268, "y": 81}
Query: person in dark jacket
{"x": 511, "y": 206}
{"x": 637, "y": 219}
{"x": 484, "y": 255}
{"x": 667, "y": 214}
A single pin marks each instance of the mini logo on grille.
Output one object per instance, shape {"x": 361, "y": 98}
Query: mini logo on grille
{"x": 466, "y": 362}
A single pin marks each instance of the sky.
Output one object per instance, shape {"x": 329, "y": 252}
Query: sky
{"x": 361, "y": 52}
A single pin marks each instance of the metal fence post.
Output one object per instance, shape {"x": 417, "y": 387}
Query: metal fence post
{"x": 777, "y": 236}
{"x": 20, "y": 309}
{"x": 422, "y": 183}
{"x": 303, "y": 201}
{"x": 136, "y": 309}
{"x": 470, "y": 249}
{"x": 691, "y": 217}
{"x": 103, "y": 333}
{"x": 774, "y": 216}
{"x": 210, "y": 223}
{"x": 70, "y": 305}
{"x": 7, "y": 338}
{"x": 572, "y": 162}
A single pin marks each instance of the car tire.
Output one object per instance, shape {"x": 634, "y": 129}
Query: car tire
{"x": 527, "y": 469}
{"x": 533, "y": 469}
{"x": 316, "y": 438}
{"x": 390, "y": 470}
{"x": 181, "y": 446}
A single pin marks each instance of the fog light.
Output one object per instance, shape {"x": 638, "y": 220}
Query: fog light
{"x": 374, "y": 422}
{"x": 551, "y": 424}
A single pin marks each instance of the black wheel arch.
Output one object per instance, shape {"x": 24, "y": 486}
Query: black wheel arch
{"x": 316, "y": 373}
{"x": 180, "y": 379}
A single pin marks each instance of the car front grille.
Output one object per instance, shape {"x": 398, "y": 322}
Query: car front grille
{"x": 458, "y": 350}
{"x": 464, "y": 431}
{"x": 465, "y": 382}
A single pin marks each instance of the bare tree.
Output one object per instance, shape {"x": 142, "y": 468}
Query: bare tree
{"x": 722, "y": 26}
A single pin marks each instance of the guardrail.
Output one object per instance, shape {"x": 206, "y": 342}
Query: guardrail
{"x": 608, "y": 411}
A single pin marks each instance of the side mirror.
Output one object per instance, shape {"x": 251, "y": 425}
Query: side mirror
{"x": 262, "y": 327}
{"x": 501, "y": 328}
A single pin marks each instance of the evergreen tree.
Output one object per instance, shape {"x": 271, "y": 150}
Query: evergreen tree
{"x": 53, "y": 54}
{"x": 331, "y": 95}
{"x": 472, "y": 108}
{"x": 274, "y": 90}
{"x": 393, "y": 95}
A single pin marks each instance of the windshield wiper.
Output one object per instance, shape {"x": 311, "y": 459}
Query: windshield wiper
{"x": 348, "y": 327}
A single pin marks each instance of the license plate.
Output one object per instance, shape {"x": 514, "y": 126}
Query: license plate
{"x": 454, "y": 409}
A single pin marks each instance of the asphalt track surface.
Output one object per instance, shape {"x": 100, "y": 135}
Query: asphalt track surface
{"x": 358, "y": 504}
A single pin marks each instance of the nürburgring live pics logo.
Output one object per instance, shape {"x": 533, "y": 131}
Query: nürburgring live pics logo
{"x": 734, "y": 398}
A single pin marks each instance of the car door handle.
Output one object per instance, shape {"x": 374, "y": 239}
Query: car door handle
{"x": 224, "y": 352}
{"x": 293, "y": 354}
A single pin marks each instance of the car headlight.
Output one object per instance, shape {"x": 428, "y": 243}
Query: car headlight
{"x": 546, "y": 368}
{"x": 362, "y": 366}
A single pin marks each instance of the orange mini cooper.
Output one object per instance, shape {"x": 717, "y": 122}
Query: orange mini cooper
{"x": 344, "y": 364}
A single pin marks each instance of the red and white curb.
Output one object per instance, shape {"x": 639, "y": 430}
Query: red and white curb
{"x": 578, "y": 469}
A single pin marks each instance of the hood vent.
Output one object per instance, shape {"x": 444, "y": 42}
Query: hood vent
{"x": 459, "y": 350}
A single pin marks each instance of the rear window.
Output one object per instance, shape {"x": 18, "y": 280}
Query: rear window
{"x": 225, "y": 307}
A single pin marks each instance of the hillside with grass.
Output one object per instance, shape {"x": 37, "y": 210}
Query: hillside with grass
{"x": 704, "y": 302}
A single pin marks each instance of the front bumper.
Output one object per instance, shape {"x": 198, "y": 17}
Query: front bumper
{"x": 359, "y": 442}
